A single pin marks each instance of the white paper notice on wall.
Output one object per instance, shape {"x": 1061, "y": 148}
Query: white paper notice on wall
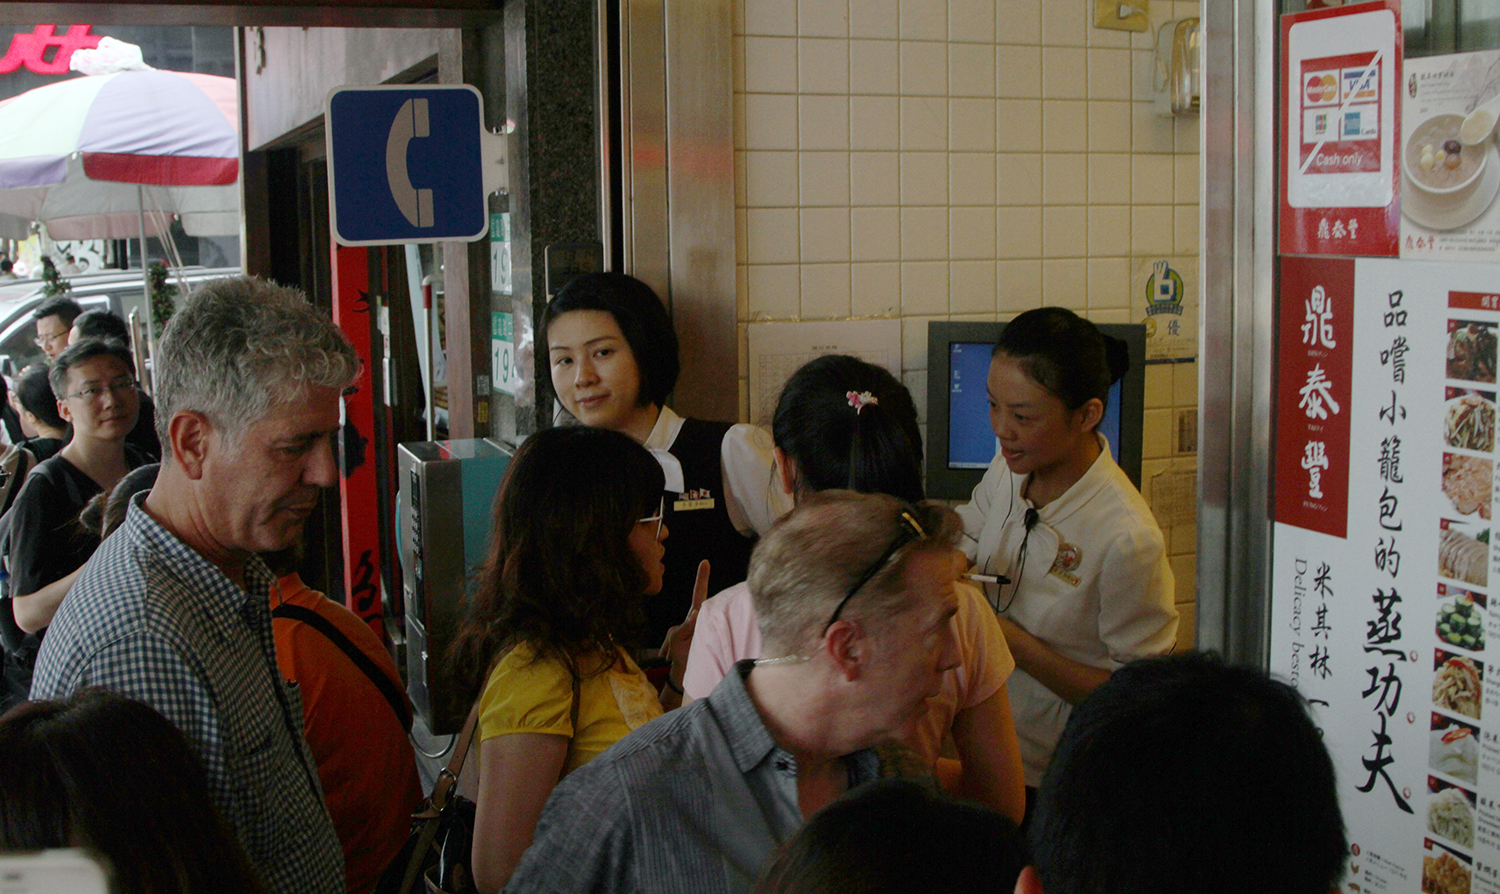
{"x": 779, "y": 349}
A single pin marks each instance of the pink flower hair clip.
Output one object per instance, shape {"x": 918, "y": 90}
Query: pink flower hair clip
{"x": 861, "y": 399}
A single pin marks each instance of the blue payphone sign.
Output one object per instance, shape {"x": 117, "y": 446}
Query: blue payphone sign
{"x": 410, "y": 164}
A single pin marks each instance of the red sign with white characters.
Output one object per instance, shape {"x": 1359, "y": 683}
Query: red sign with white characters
{"x": 31, "y": 50}
{"x": 1314, "y": 365}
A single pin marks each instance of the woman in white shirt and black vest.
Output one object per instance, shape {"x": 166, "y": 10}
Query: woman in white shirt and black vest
{"x": 614, "y": 360}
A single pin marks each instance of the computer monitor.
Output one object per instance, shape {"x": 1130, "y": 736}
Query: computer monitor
{"x": 960, "y": 442}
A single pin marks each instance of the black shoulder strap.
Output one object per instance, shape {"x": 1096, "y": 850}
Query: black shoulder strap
{"x": 336, "y": 636}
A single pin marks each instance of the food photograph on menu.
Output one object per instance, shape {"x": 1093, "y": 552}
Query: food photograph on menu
{"x": 1460, "y": 618}
{"x": 1461, "y": 556}
{"x": 1468, "y": 483}
{"x": 1458, "y": 684}
{"x": 1450, "y": 812}
{"x": 1469, "y": 421}
{"x": 1453, "y": 749}
{"x": 1471, "y": 351}
{"x": 1444, "y": 871}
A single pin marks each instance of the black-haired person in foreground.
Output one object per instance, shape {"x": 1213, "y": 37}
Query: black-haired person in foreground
{"x": 897, "y": 836}
{"x": 1183, "y": 775}
{"x": 1087, "y": 586}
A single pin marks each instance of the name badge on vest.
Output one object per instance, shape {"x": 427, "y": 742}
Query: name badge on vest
{"x": 694, "y": 499}
{"x": 1068, "y": 559}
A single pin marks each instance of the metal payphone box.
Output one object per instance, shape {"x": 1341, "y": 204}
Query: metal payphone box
{"x": 447, "y": 492}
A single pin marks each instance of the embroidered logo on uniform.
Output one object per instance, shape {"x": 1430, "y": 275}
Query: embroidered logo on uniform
{"x": 1067, "y": 561}
{"x": 702, "y": 498}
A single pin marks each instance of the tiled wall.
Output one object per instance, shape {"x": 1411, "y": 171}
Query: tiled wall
{"x": 957, "y": 160}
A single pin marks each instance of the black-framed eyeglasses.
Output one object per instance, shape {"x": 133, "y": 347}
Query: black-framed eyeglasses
{"x": 118, "y": 386}
{"x": 911, "y": 530}
{"x": 661, "y": 511}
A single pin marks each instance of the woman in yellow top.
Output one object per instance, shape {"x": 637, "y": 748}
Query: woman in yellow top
{"x": 575, "y": 547}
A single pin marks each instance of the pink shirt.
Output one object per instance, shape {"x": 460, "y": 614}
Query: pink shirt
{"x": 727, "y": 632}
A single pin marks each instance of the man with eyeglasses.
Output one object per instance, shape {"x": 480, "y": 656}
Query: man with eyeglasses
{"x": 96, "y": 389}
{"x": 54, "y": 318}
{"x": 855, "y": 594}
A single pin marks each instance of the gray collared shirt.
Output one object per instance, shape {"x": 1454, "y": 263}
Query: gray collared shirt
{"x": 695, "y": 802}
{"x": 153, "y": 619}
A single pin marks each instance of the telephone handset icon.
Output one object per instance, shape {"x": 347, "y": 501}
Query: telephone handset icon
{"x": 410, "y": 124}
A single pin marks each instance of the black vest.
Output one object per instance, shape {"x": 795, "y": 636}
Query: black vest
{"x": 698, "y": 528}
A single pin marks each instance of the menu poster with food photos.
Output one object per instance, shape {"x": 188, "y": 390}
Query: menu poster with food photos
{"x": 1339, "y": 173}
{"x": 1387, "y": 628}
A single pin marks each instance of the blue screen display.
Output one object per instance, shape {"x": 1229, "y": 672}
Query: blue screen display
{"x": 971, "y": 441}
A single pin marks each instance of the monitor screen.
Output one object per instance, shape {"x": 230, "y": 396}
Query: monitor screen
{"x": 960, "y": 443}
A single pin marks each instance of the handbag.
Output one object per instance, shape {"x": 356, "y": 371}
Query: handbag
{"x": 435, "y": 858}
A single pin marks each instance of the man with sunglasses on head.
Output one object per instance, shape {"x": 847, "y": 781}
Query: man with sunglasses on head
{"x": 855, "y": 596}
{"x": 94, "y": 381}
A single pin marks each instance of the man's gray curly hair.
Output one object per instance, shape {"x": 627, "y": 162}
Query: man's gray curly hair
{"x": 240, "y": 346}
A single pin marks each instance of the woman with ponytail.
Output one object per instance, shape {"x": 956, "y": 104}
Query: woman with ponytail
{"x": 844, "y": 423}
{"x": 1082, "y": 584}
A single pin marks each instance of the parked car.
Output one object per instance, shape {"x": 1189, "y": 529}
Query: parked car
{"x": 121, "y": 291}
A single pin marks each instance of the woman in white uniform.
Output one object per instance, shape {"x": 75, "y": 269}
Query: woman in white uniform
{"x": 1085, "y": 585}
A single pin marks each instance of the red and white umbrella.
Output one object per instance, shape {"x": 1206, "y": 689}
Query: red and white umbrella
{"x": 88, "y": 155}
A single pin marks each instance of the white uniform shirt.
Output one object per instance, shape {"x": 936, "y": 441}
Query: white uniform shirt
{"x": 752, "y": 491}
{"x": 1095, "y": 586}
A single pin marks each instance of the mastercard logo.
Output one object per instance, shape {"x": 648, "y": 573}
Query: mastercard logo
{"x": 1322, "y": 88}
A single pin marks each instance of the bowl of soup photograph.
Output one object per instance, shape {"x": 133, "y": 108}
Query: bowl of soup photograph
{"x": 1430, "y": 163}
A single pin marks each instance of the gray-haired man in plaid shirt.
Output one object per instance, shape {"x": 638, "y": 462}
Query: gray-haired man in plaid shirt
{"x": 174, "y": 608}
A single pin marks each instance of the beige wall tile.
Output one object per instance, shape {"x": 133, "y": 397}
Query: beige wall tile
{"x": 1064, "y": 23}
{"x": 915, "y": 381}
{"x": 874, "y": 67}
{"x": 971, "y": 21}
{"x": 770, "y": 16}
{"x": 971, "y": 125}
{"x": 1020, "y": 232}
{"x": 1018, "y": 72}
{"x": 1151, "y": 230}
{"x": 1185, "y": 384}
{"x": 1107, "y": 37}
{"x": 1018, "y": 178}
{"x": 1018, "y": 125}
{"x": 971, "y": 236}
{"x": 971, "y": 178}
{"x": 1149, "y": 132}
{"x": 924, "y": 68}
{"x": 775, "y": 292}
{"x": 971, "y": 70}
{"x": 822, "y": 65}
{"x": 874, "y": 178}
{"x": 1159, "y": 385}
{"x": 914, "y": 341}
{"x": 1109, "y": 126}
{"x": 770, "y": 179}
{"x": 1156, "y": 433}
{"x": 1109, "y": 282}
{"x": 825, "y": 235}
{"x": 1185, "y": 228}
{"x": 770, "y": 121}
{"x": 875, "y": 289}
{"x": 825, "y": 291}
{"x": 1065, "y": 231}
{"x": 924, "y": 19}
{"x": 924, "y": 123}
{"x": 874, "y": 18}
{"x": 1018, "y": 22}
{"x": 822, "y": 18}
{"x": 1103, "y": 315}
{"x": 1185, "y": 179}
{"x": 1109, "y": 230}
{"x": 924, "y": 290}
{"x": 874, "y": 122}
{"x": 1065, "y": 125}
{"x": 924, "y": 178}
{"x": 1065, "y": 178}
{"x": 1064, "y": 73}
{"x": 971, "y": 285}
{"x": 1018, "y": 286}
{"x": 824, "y": 178}
{"x": 770, "y": 65}
{"x": 1065, "y": 283}
{"x": 741, "y": 238}
{"x": 1142, "y": 73}
{"x": 772, "y": 235}
{"x": 1151, "y": 179}
{"x": 875, "y": 234}
{"x": 741, "y": 192}
{"x": 1109, "y": 73}
{"x": 924, "y": 234}
{"x": 823, "y": 122}
{"x": 1109, "y": 178}
{"x": 1185, "y": 134}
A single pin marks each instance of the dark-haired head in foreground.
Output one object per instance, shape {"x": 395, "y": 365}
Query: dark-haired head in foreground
{"x": 109, "y": 773}
{"x": 1182, "y": 775}
{"x": 898, "y": 837}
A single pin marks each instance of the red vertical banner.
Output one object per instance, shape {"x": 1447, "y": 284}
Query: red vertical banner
{"x": 1314, "y": 366}
{"x": 1340, "y": 175}
{"x": 357, "y": 494}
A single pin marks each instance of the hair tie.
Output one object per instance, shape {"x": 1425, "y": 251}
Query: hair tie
{"x": 861, "y": 399}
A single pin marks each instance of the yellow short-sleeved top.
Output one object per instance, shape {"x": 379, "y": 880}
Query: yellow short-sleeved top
{"x": 524, "y": 695}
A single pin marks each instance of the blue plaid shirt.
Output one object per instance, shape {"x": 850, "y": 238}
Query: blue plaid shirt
{"x": 153, "y": 619}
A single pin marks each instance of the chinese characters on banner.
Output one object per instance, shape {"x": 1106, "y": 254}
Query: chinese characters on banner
{"x": 1342, "y": 122}
{"x": 1380, "y": 607}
